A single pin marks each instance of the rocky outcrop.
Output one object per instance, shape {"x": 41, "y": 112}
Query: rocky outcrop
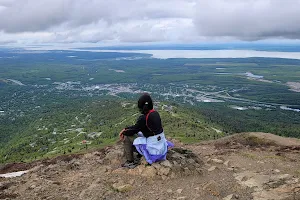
{"x": 180, "y": 162}
{"x": 201, "y": 171}
{"x": 270, "y": 187}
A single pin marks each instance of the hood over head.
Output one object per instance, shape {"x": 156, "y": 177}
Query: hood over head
{"x": 145, "y": 103}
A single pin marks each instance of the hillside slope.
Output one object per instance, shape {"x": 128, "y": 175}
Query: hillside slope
{"x": 242, "y": 166}
{"x": 60, "y": 129}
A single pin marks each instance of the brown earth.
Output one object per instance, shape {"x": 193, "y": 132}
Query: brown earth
{"x": 243, "y": 166}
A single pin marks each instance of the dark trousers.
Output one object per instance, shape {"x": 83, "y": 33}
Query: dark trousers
{"x": 128, "y": 147}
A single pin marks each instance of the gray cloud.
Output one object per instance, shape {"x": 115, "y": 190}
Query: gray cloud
{"x": 249, "y": 19}
{"x": 38, "y": 15}
{"x": 67, "y": 21}
{"x": 31, "y": 15}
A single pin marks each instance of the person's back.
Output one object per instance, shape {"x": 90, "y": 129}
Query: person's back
{"x": 153, "y": 122}
{"x": 149, "y": 124}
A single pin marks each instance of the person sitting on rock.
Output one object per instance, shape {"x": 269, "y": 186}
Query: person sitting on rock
{"x": 146, "y": 136}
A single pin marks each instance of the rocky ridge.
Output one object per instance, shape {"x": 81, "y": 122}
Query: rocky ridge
{"x": 244, "y": 166}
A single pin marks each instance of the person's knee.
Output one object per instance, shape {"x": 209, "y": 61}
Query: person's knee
{"x": 128, "y": 140}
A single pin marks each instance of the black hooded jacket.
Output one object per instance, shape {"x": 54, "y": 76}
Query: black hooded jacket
{"x": 154, "y": 124}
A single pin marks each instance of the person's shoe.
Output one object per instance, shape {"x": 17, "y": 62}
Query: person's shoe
{"x": 129, "y": 164}
{"x": 137, "y": 160}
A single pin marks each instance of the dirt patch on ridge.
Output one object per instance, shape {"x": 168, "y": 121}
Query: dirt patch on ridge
{"x": 256, "y": 139}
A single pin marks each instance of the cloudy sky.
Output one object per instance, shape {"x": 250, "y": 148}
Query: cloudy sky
{"x": 140, "y": 21}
